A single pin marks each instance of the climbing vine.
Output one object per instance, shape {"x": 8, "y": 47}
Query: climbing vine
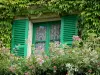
{"x": 88, "y": 11}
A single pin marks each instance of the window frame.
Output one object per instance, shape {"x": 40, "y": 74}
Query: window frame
{"x": 48, "y": 24}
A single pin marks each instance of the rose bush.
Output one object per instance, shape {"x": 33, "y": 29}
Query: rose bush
{"x": 83, "y": 57}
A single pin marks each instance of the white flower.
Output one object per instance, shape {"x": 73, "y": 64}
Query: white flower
{"x": 68, "y": 65}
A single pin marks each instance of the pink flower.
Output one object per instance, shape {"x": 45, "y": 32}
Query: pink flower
{"x": 66, "y": 73}
{"x": 26, "y": 73}
{"x": 12, "y": 69}
{"x": 54, "y": 67}
{"x": 89, "y": 71}
{"x": 46, "y": 57}
{"x": 77, "y": 38}
{"x": 11, "y": 55}
{"x": 40, "y": 60}
{"x": 30, "y": 67}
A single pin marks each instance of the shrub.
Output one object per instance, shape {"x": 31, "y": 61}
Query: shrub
{"x": 83, "y": 57}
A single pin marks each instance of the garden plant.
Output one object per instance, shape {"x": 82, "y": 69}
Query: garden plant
{"x": 82, "y": 58}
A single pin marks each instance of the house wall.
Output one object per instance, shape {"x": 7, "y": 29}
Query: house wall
{"x": 29, "y": 39}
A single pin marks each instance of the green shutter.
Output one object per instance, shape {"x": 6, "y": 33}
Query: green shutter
{"x": 68, "y": 29}
{"x": 19, "y": 37}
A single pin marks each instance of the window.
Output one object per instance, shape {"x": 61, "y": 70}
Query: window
{"x": 44, "y": 33}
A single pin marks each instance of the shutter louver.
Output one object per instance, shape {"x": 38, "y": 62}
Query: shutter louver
{"x": 68, "y": 29}
{"x": 19, "y": 37}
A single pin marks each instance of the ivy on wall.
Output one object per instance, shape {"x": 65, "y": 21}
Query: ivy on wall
{"x": 89, "y": 11}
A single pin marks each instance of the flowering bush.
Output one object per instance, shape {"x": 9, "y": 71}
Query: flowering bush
{"x": 83, "y": 57}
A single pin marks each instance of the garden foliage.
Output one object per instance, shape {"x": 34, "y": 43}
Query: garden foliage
{"x": 88, "y": 11}
{"x": 83, "y": 57}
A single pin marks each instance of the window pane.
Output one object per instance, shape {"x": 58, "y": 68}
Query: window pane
{"x": 55, "y": 32}
{"x": 40, "y": 33}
